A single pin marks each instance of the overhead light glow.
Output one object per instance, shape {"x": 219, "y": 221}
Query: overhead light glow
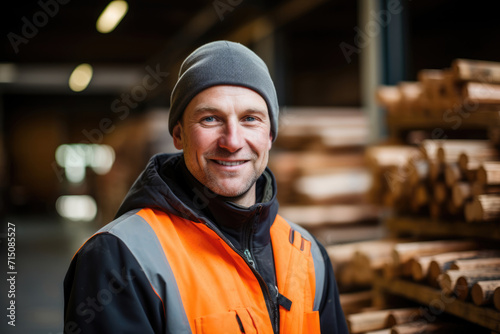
{"x": 80, "y": 78}
{"x": 75, "y": 158}
{"x": 7, "y": 72}
{"x": 77, "y": 207}
{"x": 111, "y": 16}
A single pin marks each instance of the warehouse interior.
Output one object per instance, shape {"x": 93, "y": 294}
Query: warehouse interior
{"x": 69, "y": 154}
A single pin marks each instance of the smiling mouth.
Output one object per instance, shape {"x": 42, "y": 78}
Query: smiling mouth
{"x": 230, "y": 163}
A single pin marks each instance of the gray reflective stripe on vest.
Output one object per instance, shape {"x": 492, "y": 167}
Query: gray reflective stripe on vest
{"x": 319, "y": 264}
{"x": 143, "y": 243}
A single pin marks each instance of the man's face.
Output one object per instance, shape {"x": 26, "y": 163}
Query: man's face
{"x": 226, "y": 137}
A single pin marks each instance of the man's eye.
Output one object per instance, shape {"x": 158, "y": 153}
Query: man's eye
{"x": 249, "y": 119}
{"x": 209, "y": 119}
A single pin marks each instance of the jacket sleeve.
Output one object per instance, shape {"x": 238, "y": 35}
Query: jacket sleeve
{"x": 332, "y": 319}
{"x": 106, "y": 291}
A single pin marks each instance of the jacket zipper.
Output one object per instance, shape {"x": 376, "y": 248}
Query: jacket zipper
{"x": 247, "y": 256}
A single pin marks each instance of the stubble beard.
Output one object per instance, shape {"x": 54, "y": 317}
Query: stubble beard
{"x": 213, "y": 183}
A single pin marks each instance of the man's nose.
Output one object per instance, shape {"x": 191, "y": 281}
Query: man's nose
{"x": 232, "y": 137}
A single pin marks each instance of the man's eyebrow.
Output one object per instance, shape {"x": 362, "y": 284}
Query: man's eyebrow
{"x": 203, "y": 109}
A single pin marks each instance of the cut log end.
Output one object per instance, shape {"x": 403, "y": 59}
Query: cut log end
{"x": 496, "y": 298}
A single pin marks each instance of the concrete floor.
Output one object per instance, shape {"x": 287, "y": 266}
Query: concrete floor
{"x": 44, "y": 248}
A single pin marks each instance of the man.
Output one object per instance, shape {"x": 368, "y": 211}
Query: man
{"x": 198, "y": 246}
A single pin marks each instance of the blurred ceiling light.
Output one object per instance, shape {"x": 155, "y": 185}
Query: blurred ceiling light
{"x": 80, "y": 78}
{"x": 111, "y": 16}
{"x": 74, "y": 158}
{"x": 77, "y": 207}
{"x": 102, "y": 158}
{"x": 7, "y": 72}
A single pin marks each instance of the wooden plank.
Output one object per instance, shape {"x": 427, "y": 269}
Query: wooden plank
{"x": 476, "y": 70}
{"x": 450, "y": 120}
{"x": 485, "y": 317}
{"x": 428, "y": 227}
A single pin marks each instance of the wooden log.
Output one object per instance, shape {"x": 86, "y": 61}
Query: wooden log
{"x": 429, "y": 148}
{"x": 433, "y": 90}
{"x": 466, "y": 264}
{"x": 448, "y": 280}
{"x": 481, "y": 93}
{"x": 403, "y": 316}
{"x": 313, "y": 128}
{"x": 389, "y": 97}
{"x": 482, "y": 189}
{"x": 420, "y": 198}
{"x": 464, "y": 284}
{"x": 437, "y": 210}
{"x": 380, "y": 319}
{"x": 452, "y": 209}
{"x": 419, "y": 327}
{"x": 418, "y": 171}
{"x": 436, "y": 171}
{"x": 496, "y": 298}
{"x": 460, "y": 193}
{"x": 477, "y": 156}
{"x": 450, "y": 150}
{"x": 452, "y": 174}
{"x": 391, "y": 155}
{"x": 476, "y": 70}
{"x": 380, "y": 331}
{"x": 403, "y": 252}
{"x": 344, "y": 253}
{"x": 410, "y": 97}
{"x": 354, "y": 302}
{"x": 367, "y": 258}
{"x": 367, "y": 321}
{"x": 376, "y": 254}
{"x": 452, "y": 90}
{"x": 482, "y": 292}
{"x": 353, "y": 275}
{"x": 438, "y": 264}
{"x": 483, "y": 208}
{"x": 440, "y": 193}
{"x": 333, "y": 186}
{"x": 489, "y": 173}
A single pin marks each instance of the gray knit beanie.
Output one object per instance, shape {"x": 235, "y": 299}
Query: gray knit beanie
{"x": 222, "y": 63}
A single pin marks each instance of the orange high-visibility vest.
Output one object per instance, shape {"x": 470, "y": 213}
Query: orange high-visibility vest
{"x": 207, "y": 287}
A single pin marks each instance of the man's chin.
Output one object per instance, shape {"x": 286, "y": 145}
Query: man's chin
{"x": 230, "y": 192}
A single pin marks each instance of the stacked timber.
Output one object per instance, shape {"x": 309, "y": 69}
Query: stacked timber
{"x": 454, "y": 182}
{"x": 468, "y": 86}
{"x": 357, "y": 263}
{"x": 410, "y": 320}
{"x": 322, "y": 176}
{"x": 381, "y": 319}
{"x": 441, "y": 178}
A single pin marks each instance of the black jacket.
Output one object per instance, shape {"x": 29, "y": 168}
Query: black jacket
{"x": 104, "y": 264}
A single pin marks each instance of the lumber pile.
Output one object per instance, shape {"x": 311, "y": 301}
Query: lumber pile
{"x": 322, "y": 129}
{"x": 409, "y": 320}
{"x": 356, "y": 264}
{"x": 321, "y": 173}
{"x": 467, "y": 86}
{"x": 440, "y": 178}
{"x": 437, "y": 173}
{"x": 457, "y": 267}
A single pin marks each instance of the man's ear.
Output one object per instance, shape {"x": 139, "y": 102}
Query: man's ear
{"x": 177, "y": 134}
